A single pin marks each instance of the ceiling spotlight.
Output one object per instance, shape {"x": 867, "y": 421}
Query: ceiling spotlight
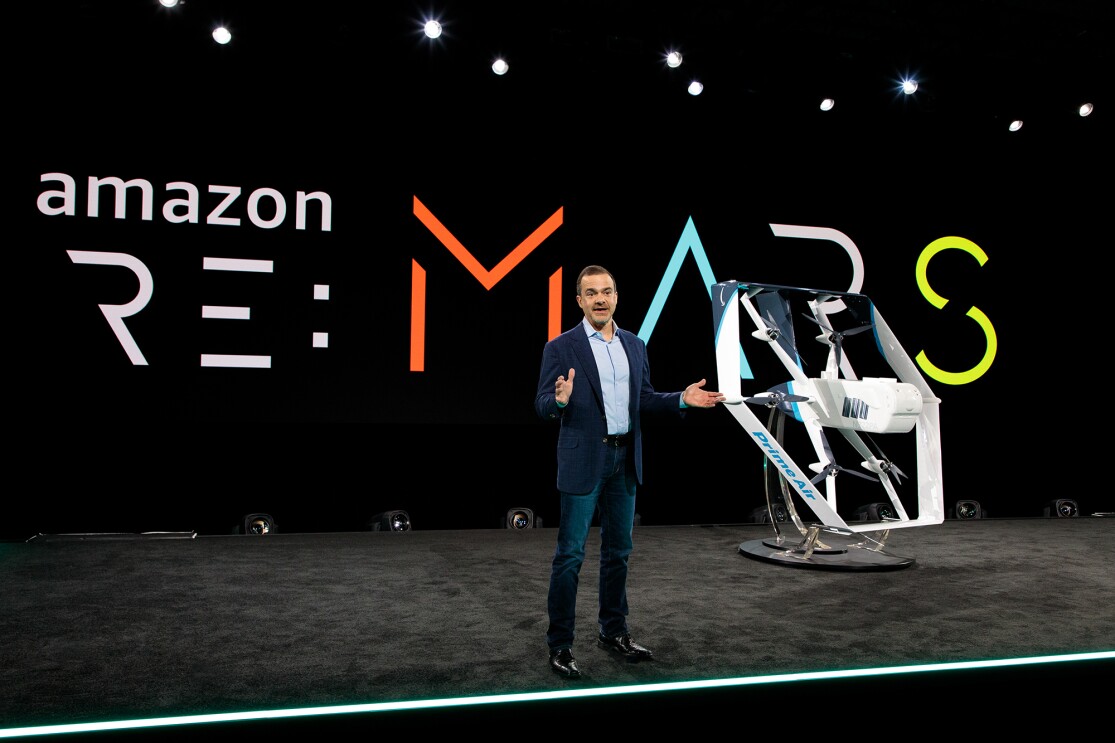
{"x": 909, "y": 87}
{"x": 221, "y": 35}
{"x": 500, "y": 66}
{"x": 695, "y": 88}
{"x": 432, "y": 29}
{"x": 168, "y": 3}
{"x": 1015, "y": 125}
{"x": 827, "y": 104}
{"x": 673, "y": 59}
{"x": 1085, "y": 109}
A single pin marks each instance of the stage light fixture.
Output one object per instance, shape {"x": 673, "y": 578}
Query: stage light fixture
{"x": 696, "y": 88}
{"x": 500, "y": 66}
{"x": 258, "y": 523}
{"x": 1085, "y": 109}
{"x": 762, "y": 514}
{"x": 1015, "y": 125}
{"x": 875, "y": 512}
{"x": 521, "y": 518}
{"x": 1062, "y": 508}
{"x": 827, "y": 104}
{"x": 673, "y": 59}
{"x": 967, "y": 509}
{"x": 390, "y": 521}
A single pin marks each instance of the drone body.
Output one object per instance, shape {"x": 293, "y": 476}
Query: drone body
{"x": 873, "y": 404}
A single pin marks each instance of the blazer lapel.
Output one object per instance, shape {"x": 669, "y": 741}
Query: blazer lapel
{"x": 583, "y": 351}
{"x": 634, "y": 363}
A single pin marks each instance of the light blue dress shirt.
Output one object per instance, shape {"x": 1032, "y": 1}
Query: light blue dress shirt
{"x": 615, "y": 377}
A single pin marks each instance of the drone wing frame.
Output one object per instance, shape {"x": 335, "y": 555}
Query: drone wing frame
{"x": 900, "y": 404}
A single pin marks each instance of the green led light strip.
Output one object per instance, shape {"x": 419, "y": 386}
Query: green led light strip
{"x": 541, "y": 696}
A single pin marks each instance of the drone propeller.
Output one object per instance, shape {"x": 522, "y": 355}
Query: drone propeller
{"x": 775, "y": 398}
{"x": 885, "y": 465}
{"x": 772, "y": 330}
{"x": 832, "y": 468}
{"x": 836, "y": 337}
{"x": 773, "y": 334}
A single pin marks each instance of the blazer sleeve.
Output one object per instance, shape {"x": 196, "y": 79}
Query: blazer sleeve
{"x": 651, "y": 400}
{"x": 553, "y": 366}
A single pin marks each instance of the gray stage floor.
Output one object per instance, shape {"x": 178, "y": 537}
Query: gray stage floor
{"x": 114, "y": 628}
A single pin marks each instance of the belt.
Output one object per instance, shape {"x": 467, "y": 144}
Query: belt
{"x": 620, "y": 439}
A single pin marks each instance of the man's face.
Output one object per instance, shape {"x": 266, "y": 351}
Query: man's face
{"x": 598, "y": 299}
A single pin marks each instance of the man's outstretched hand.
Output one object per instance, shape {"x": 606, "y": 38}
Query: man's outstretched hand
{"x": 696, "y": 397}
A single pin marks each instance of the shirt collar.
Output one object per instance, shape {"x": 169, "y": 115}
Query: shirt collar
{"x": 591, "y": 331}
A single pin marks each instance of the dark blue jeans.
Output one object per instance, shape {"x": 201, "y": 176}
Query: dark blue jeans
{"x": 614, "y": 495}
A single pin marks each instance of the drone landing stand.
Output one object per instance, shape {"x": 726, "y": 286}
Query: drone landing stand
{"x": 840, "y": 550}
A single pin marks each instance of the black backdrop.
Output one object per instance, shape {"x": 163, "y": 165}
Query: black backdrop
{"x": 378, "y": 118}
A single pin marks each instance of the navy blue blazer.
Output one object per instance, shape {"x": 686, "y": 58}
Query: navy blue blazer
{"x": 581, "y": 451}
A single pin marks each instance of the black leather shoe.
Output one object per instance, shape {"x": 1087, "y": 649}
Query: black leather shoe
{"x": 624, "y": 646}
{"x": 563, "y": 662}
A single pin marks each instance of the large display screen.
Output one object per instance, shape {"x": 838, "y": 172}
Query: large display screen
{"x": 317, "y": 281}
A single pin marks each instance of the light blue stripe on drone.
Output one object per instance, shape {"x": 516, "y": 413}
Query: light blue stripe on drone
{"x": 794, "y": 405}
{"x": 875, "y": 332}
{"x": 734, "y": 297}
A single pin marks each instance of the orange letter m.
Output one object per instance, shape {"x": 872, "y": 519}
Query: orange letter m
{"x": 487, "y": 278}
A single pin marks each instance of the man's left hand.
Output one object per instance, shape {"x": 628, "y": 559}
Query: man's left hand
{"x": 696, "y": 397}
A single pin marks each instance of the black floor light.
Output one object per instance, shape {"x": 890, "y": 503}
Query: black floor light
{"x": 875, "y": 512}
{"x": 390, "y": 521}
{"x": 967, "y": 509}
{"x": 521, "y": 518}
{"x": 258, "y": 523}
{"x": 762, "y": 514}
{"x": 1061, "y": 508}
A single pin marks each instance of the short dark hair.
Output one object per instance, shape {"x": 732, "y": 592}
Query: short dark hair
{"x": 593, "y": 271}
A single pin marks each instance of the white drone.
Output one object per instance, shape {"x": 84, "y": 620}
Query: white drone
{"x": 834, "y": 400}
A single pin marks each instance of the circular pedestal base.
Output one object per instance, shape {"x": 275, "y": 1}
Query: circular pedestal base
{"x": 837, "y": 551}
